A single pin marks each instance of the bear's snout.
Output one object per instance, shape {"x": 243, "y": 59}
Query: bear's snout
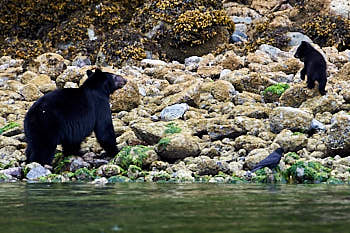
{"x": 119, "y": 81}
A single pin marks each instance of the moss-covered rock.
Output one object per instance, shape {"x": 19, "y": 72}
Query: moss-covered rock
{"x": 307, "y": 172}
{"x": 273, "y": 93}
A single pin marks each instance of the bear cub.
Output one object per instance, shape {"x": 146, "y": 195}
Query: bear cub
{"x": 67, "y": 116}
{"x": 315, "y": 66}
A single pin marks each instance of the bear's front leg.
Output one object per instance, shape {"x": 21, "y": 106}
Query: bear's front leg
{"x": 105, "y": 135}
{"x": 310, "y": 83}
{"x": 302, "y": 74}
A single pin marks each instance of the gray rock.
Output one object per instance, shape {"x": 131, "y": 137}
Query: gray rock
{"x": 273, "y": 52}
{"x": 245, "y": 20}
{"x": 224, "y": 73}
{"x": 316, "y": 125}
{"x": 173, "y": 112}
{"x": 289, "y": 118}
{"x": 81, "y": 61}
{"x": 14, "y": 172}
{"x": 194, "y": 60}
{"x": 78, "y": 163}
{"x": 152, "y": 63}
{"x": 340, "y": 7}
{"x": 239, "y": 35}
{"x": 296, "y": 38}
{"x": 37, "y": 171}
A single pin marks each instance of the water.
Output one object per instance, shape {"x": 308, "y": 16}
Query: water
{"x": 147, "y": 207}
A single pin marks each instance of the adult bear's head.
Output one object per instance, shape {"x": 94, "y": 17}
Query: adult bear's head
{"x": 104, "y": 81}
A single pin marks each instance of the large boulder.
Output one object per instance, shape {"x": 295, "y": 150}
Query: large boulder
{"x": 249, "y": 142}
{"x": 127, "y": 98}
{"x": 290, "y": 141}
{"x": 327, "y": 103}
{"x": 51, "y": 64}
{"x": 295, "y": 95}
{"x": 178, "y": 146}
{"x": 290, "y": 118}
{"x": 338, "y": 135}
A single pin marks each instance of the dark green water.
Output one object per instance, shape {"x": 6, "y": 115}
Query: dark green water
{"x": 145, "y": 207}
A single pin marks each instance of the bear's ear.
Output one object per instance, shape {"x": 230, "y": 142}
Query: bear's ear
{"x": 89, "y": 72}
{"x": 98, "y": 70}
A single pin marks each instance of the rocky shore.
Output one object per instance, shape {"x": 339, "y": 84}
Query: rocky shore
{"x": 210, "y": 118}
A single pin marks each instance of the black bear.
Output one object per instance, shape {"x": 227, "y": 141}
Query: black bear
{"x": 315, "y": 66}
{"x": 67, "y": 116}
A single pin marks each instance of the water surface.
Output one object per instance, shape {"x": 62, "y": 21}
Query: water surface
{"x": 150, "y": 207}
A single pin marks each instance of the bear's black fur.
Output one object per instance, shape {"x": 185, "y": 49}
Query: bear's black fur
{"x": 315, "y": 66}
{"x": 67, "y": 116}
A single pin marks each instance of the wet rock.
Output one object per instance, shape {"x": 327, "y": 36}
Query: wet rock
{"x": 289, "y": 118}
{"x": 150, "y": 132}
{"x": 290, "y": 141}
{"x": 344, "y": 73}
{"x": 338, "y": 135}
{"x": 288, "y": 66}
{"x": 212, "y": 72}
{"x": 30, "y": 92}
{"x": 203, "y": 165}
{"x": 81, "y": 61}
{"x": 223, "y": 90}
{"x": 190, "y": 95}
{"x": 100, "y": 181}
{"x": 327, "y": 103}
{"x": 77, "y": 163}
{"x": 184, "y": 175}
{"x": 178, "y": 146}
{"x": 246, "y": 97}
{"x": 251, "y": 125}
{"x": 127, "y": 98}
{"x": 336, "y": 58}
{"x": 108, "y": 170}
{"x": 264, "y": 6}
{"x": 27, "y": 76}
{"x": 231, "y": 61}
{"x": 173, "y": 112}
{"x": 249, "y": 142}
{"x": 14, "y": 85}
{"x": 252, "y": 110}
{"x": 36, "y": 171}
{"x": 44, "y": 83}
{"x": 252, "y": 82}
{"x": 51, "y": 64}
{"x": 295, "y": 95}
{"x": 317, "y": 143}
{"x": 222, "y": 128}
{"x": 72, "y": 74}
{"x": 14, "y": 172}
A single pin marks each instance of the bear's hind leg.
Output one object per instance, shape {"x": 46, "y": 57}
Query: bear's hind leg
{"x": 310, "y": 83}
{"x": 322, "y": 86}
{"x": 41, "y": 153}
{"x": 106, "y": 137}
{"x": 302, "y": 74}
{"x": 71, "y": 149}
